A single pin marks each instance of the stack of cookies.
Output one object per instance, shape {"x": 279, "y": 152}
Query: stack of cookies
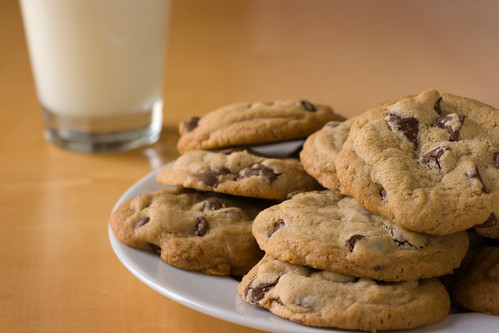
{"x": 358, "y": 231}
{"x": 332, "y": 263}
{"x": 405, "y": 181}
{"x": 204, "y": 223}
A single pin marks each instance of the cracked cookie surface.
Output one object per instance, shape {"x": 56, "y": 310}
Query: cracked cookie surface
{"x": 327, "y": 230}
{"x": 191, "y": 230}
{"x": 246, "y": 124}
{"x": 429, "y": 163}
{"x": 238, "y": 172}
{"x": 325, "y": 299}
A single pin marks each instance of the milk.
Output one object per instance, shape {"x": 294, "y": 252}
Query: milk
{"x": 97, "y": 58}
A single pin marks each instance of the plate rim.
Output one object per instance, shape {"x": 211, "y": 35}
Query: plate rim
{"x": 278, "y": 325}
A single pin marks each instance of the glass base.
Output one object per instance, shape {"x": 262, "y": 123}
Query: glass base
{"x": 104, "y": 135}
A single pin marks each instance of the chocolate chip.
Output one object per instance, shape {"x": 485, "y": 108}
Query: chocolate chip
{"x": 490, "y": 222}
{"x": 409, "y": 126}
{"x": 210, "y": 177}
{"x": 277, "y": 225}
{"x": 378, "y": 268}
{"x": 433, "y": 156}
{"x": 142, "y": 221}
{"x": 260, "y": 170}
{"x": 260, "y": 290}
{"x": 201, "y": 226}
{"x": 475, "y": 175}
{"x": 496, "y": 160}
{"x": 452, "y": 124}
{"x": 350, "y": 243}
{"x": 382, "y": 192}
{"x": 437, "y": 107}
{"x": 191, "y": 123}
{"x": 155, "y": 248}
{"x": 308, "y": 106}
{"x": 211, "y": 205}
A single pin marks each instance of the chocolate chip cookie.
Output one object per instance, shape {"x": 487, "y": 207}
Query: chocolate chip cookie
{"x": 429, "y": 163}
{"x": 320, "y": 150}
{"x": 191, "y": 230}
{"x": 325, "y": 299}
{"x": 327, "y": 230}
{"x": 238, "y": 172}
{"x": 246, "y": 124}
{"x": 477, "y": 286}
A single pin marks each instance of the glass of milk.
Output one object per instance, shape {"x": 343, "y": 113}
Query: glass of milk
{"x": 98, "y": 67}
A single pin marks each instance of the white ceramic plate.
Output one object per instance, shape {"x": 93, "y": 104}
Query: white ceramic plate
{"x": 217, "y": 296}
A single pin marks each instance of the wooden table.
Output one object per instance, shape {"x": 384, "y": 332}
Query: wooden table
{"x": 58, "y": 271}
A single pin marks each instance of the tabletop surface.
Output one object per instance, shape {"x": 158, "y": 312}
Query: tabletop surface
{"x": 58, "y": 271}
